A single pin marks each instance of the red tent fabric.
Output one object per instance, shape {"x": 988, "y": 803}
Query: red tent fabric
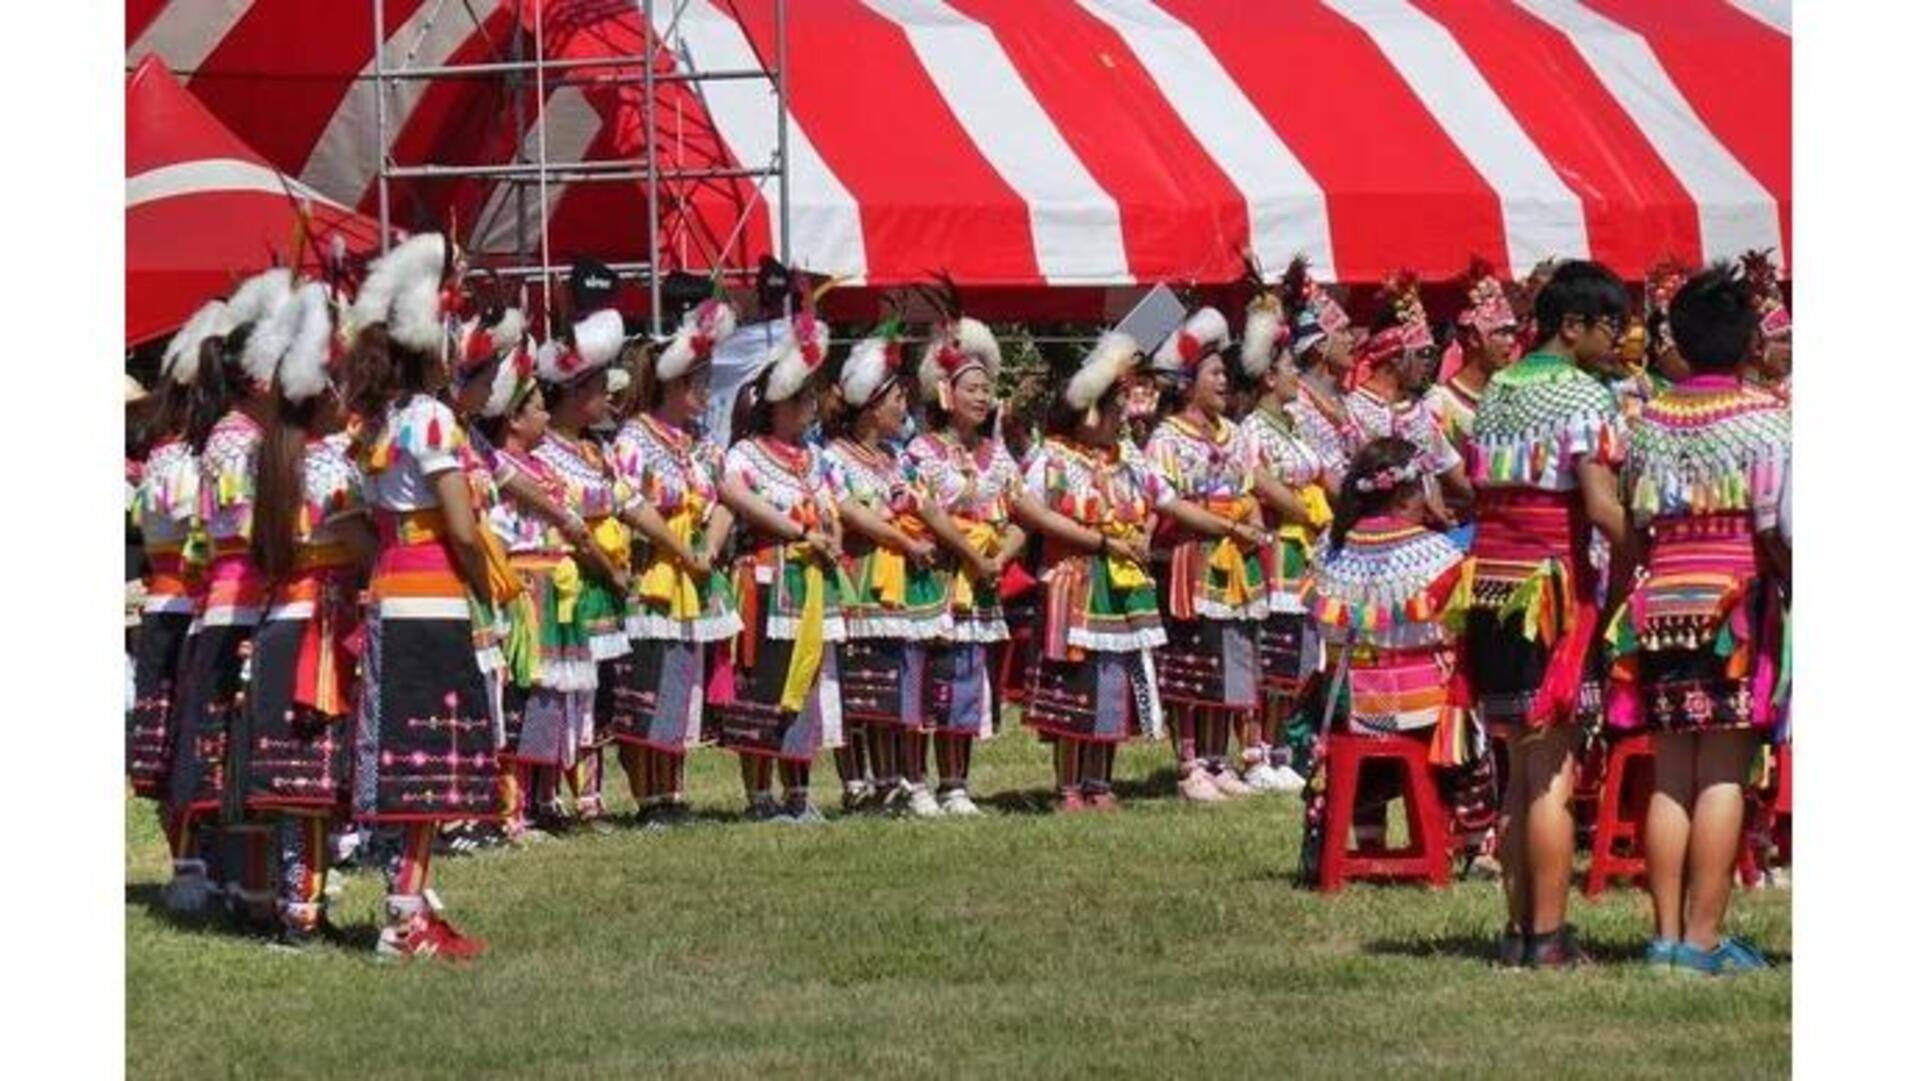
{"x": 1030, "y": 146}
{"x": 204, "y": 209}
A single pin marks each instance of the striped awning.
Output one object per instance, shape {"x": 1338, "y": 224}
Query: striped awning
{"x": 1064, "y": 142}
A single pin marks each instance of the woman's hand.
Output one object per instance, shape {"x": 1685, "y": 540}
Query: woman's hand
{"x": 1134, "y": 550}
{"x": 574, "y": 529}
{"x": 1248, "y": 535}
{"x": 700, "y": 565}
{"x": 821, "y": 542}
{"x": 921, "y": 553}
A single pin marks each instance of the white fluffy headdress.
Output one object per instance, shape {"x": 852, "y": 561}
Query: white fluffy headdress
{"x": 266, "y": 301}
{"x": 1203, "y": 334}
{"x": 181, "y": 361}
{"x": 479, "y": 344}
{"x": 960, "y": 344}
{"x": 797, "y": 356}
{"x": 872, "y": 364}
{"x": 402, "y": 290}
{"x": 1264, "y": 335}
{"x": 302, "y": 369}
{"x": 596, "y": 341}
{"x": 513, "y": 378}
{"x": 1113, "y": 356}
{"x": 702, "y": 329}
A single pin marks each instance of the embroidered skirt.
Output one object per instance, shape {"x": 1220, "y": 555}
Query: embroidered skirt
{"x": 1208, "y": 663}
{"x": 1530, "y": 641}
{"x": 746, "y": 709}
{"x": 1102, "y": 698}
{"x": 150, "y": 723}
{"x": 959, "y": 697}
{"x": 423, "y": 739}
{"x": 212, "y": 692}
{"x": 884, "y": 681}
{"x": 293, "y": 744}
{"x": 656, "y": 696}
{"x": 1289, "y": 645}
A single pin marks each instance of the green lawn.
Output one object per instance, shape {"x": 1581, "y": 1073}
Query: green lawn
{"x": 1165, "y": 941}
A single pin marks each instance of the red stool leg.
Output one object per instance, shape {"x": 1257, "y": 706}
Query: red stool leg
{"x": 1343, "y": 768}
{"x": 1426, "y": 819}
{"x": 1609, "y": 830}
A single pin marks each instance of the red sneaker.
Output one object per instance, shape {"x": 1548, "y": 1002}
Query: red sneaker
{"x": 1069, "y": 802}
{"x": 452, "y": 943}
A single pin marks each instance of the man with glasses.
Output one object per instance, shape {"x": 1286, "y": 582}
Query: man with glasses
{"x": 1546, "y": 442}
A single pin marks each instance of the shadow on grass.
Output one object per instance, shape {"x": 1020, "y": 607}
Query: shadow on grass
{"x": 1487, "y": 948}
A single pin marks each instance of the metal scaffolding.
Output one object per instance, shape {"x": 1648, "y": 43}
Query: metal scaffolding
{"x": 661, "y": 192}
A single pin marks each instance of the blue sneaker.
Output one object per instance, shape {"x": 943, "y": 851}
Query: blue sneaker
{"x": 1690, "y": 958}
{"x": 1739, "y": 955}
{"x": 1660, "y": 952}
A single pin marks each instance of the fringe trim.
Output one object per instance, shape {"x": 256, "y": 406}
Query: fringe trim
{"x": 569, "y": 676}
{"x": 1256, "y": 609}
{"x": 1125, "y": 642}
{"x": 701, "y": 630}
{"x": 904, "y": 628}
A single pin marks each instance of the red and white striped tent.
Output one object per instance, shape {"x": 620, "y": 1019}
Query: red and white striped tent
{"x": 204, "y": 209}
{"x": 1023, "y": 143}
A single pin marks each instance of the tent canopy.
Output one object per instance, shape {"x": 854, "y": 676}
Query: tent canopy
{"x": 203, "y": 209}
{"x": 1092, "y": 143}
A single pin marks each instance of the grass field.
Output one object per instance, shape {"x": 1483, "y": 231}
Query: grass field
{"x": 1165, "y": 941}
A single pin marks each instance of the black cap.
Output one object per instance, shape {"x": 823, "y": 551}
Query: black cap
{"x": 592, "y": 286}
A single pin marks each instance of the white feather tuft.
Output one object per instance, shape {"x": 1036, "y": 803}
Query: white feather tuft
{"x": 546, "y": 361}
{"x": 303, "y": 370}
{"x": 507, "y": 333}
{"x": 272, "y": 336}
{"x": 1204, "y": 330}
{"x": 1112, "y": 356}
{"x": 402, "y": 290}
{"x": 971, "y": 338}
{"x": 516, "y": 368}
{"x": 865, "y": 369}
{"x": 700, "y": 331}
{"x": 1260, "y": 339}
{"x": 598, "y": 339}
{"x": 790, "y": 366}
{"x": 258, "y": 296}
{"x": 181, "y": 362}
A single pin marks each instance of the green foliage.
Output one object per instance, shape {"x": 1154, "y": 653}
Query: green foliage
{"x": 1167, "y": 940}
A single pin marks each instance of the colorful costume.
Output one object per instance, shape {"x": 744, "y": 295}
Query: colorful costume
{"x": 1289, "y": 645}
{"x": 165, "y": 504}
{"x": 1531, "y": 581}
{"x": 1700, "y": 638}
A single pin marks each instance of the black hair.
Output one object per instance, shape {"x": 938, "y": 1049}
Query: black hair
{"x": 1354, "y": 504}
{"x": 1713, "y": 320}
{"x": 1584, "y": 290}
{"x": 382, "y": 372}
{"x": 279, "y": 477}
{"x": 186, "y": 410}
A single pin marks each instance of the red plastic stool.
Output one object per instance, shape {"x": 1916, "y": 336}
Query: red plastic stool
{"x": 1625, "y": 789}
{"x": 1427, "y": 855}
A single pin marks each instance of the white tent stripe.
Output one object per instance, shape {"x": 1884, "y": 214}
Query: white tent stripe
{"x": 572, "y": 124}
{"x": 1286, "y": 209}
{"x": 1737, "y": 213}
{"x": 340, "y": 160}
{"x": 827, "y": 236}
{"x": 1543, "y": 216}
{"x": 209, "y": 175}
{"x": 184, "y": 35}
{"x": 1775, "y": 13}
{"x": 1076, "y": 224}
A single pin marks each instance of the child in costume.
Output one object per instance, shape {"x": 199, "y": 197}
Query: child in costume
{"x": 1090, "y": 495}
{"x": 897, "y": 607}
{"x": 776, "y": 695}
{"x": 1483, "y": 343}
{"x": 1211, "y": 557}
{"x": 424, "y": 746}
{"x": 967, "y": 480}
{"x": 680, "y": 605}
{"x": 293, "y": 748}
{"x": 1699, "y": 639}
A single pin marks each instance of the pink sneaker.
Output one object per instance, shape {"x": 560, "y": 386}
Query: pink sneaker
{"x": 1197, "y": 787}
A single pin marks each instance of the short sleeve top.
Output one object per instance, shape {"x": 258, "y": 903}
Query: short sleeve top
{"x": 977, "y": 484}
{"x": 1095, "y": 487}
{"x": 1198, "y": 464}
{"x": 168, "y": 495}
{"x": 227, "y": 477}
{"x": 418, "y": 440}
{"x": 874, "y": 478}
{"x": 1413, "y": 421}
{"x": 790, "y": 478}
{"x": 332, "y": 487}
{"x": 585, "y": 480}
{"x": 1538, "y": 420}
{"x": 1280, "y": 451}
{"x": 665, "y": 466}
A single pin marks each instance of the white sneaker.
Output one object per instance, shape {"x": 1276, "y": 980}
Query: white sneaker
{"x": 1262, "y": 778}
{"x": 957, "y": 803}
{"x": 1288, "y": 781}
{"x": 920, "y": 802}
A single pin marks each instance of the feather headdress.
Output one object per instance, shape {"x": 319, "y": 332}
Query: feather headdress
{"x": 181, "y": 361}
{"x": 1265, "y": 332}
{"x": 402, "y": 290}
{"x": 1112, "y": 358}
{"x": 798, "y": 355}
{"x": 1488, "y": 308}
{"x": 1763, "y": 281}
{"x": 872, "y": 365}
{"x": 959, "y": 343}
{"x": 702, "y": 329}
{"x": 596, "y": 341}
{"x": 302, "y": 372}
{"x": 265, "y": 301}
{"x": 1201, "y": 336}
{"x": 512, "y": 382}
{"x": 1312, "y": 312}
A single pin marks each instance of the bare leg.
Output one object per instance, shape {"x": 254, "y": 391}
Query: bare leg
{"x": 1549, "y": 832}
{"x": 1514, "y": 877}
{"x": 1720, "y": 772}
{"x": 1669, "y": 818}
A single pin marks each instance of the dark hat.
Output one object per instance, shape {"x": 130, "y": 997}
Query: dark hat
{"x": 592, "y": 285}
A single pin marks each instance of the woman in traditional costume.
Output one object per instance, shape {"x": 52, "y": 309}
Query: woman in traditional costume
{"x": 967, "y": 481}
{"x": 897, "y": 605}
{"x": 424, "y": 739}
{"x": 1291, "y": 482}
{"x": 234, "y": 598}
{"x": 573, "y": 374}
{"x": 1320, "y": 339}
{"x": 1392, "y": 370}
{"x": 679, "y": 604}
{"x": 1091, "y": 495}
{"x": 193, "y": 396}
{"x": 776, "y": 696}
{"x": 293, "y": 747}
{"x": 1483, "y": 344}
{"x": 1212, "y": 544}
{"x": 1700, "y": 638}
{"x": 1546, "y": 442}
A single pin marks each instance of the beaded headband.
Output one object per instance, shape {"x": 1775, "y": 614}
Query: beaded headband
{"x": 1389, "y": 478}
